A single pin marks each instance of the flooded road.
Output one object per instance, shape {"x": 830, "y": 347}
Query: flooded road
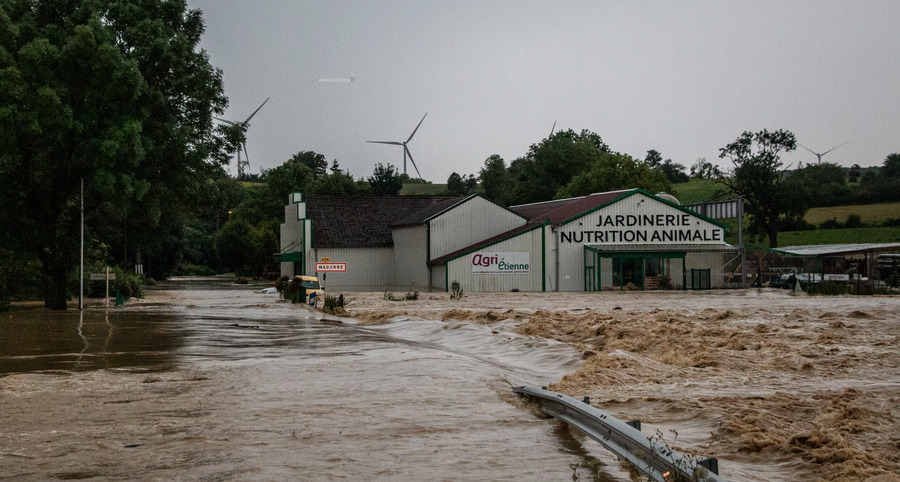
{"x": 200, "y": 382}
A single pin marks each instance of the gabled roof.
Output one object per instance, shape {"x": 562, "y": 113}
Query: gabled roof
{"x": 361, "y": 222}
{"x": 420, "y": 217}
{"x": 561, "y": 210}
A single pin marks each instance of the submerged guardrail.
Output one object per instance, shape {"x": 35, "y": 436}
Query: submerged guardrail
{"x": 654, "y": 459}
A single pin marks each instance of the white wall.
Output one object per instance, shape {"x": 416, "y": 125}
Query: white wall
{"x": 439, "y": 277}
{"x": 461, "y": 269}
{"x": 473, "y": 221}
{"x": 367, "y": 268}
{"x": 410, "y": 268}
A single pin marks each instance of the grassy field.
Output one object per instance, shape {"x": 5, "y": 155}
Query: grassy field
{"x": 869, "y": 213}
{"x": 840, "y": 236}
{"x": 819, "y": 236}
{"x": 423, "y": 189}
{"x": 696, "y": 190}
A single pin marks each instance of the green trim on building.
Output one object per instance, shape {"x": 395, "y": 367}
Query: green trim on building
{"x": 466, "y": 253}
{"x": 544, "y": 257}
{"x": 641, "y": 191}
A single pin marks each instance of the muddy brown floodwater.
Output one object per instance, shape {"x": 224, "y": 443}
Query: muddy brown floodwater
{"x": 212, "y": 381}
{"x": 776, "y": 385}
{"x": 200, "y": 381}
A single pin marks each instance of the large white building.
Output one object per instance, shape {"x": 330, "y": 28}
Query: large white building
{"x": 626, "y": 239}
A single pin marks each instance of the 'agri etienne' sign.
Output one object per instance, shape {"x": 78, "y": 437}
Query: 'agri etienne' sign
{"x": 646, "y": 229}
{"x": 501, "y": 263}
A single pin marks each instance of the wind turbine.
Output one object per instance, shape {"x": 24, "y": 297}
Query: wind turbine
{"x": 405, "y": 149}
{"x": 822, "y": 154}
{"x": 245, "y": 164}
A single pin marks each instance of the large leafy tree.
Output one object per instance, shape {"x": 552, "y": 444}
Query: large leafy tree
{"x": 613, "y": 171}
{"x": 551, "y": 164}
{"x": 386, "y": 181}
{"x": 113, "y": 92}
{"x": 826, "y": 181}
{"x": 496, "y": 179}
{"x": 758, "y": 178}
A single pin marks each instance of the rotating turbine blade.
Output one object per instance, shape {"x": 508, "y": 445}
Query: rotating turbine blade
{"x": 225, "y": 120}
{"x": 386, "y": 142}
{"x": 406, "y": 150}
{"x": 552, "y": 129}
{"x": 246, "y": 154}
{"x": 417, "y": 128}
{"x": 808, "y": 149}
{"x": 835, "y": 147}
{"x": 257, "y": 110}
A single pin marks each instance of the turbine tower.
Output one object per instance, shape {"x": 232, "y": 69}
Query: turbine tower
{"x": 406, "y": 152}
{"x": 243, "y": 166}
{"x": 822, "y": 154}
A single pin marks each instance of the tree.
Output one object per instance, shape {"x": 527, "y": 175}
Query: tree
{"x": 757, "y": 177}
{"x": 826, "y": 182}
{"x": 674, "y": 172}
{"x": 854, "y": 173}
{"x": 316, "y": 162}
{"x": 653, "y": 159}
{"x": 613, "y": 171}
{"x": 456, "y": 185}
{"x": 703, "y": 169}
{"x": 386, "y": 181}
{"x": 116, "y": 93}
{"x": 495, "y": 179}
{"x": 552, "y": 163}
{"x": 883, "y": 184}
{"x": 339, "y": 184}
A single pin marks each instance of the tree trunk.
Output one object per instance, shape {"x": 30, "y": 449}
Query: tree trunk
{"x": 56, "y": 275}
{"x": 773, "y": 238}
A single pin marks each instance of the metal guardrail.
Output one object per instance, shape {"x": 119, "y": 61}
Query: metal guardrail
{"x": 624, "y": 439}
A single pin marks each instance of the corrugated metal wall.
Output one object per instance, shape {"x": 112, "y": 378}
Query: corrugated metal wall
{"x": 475, "y": 220}
{"x": 439, "y": 277}
{"x": 713, "y": 261}
{"x": 365, "y": 268}
{"x": 461, "y": 269}
{"x": 410, "y": 268}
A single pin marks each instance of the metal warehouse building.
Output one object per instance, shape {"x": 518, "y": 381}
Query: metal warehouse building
{"x": 626, "y": 239}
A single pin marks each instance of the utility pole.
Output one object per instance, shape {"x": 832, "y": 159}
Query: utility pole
{"x": 81, "y": 266}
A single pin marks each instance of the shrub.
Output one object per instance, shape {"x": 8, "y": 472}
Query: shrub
{"x": 853, "y": 221}
{"x": 457, "y": 291}
{"x": 831, "y": 224}
{"x": 332, "y": 302}
{"x": 411, "y": 295}
{"x": 241, "y": 280}
{"x": 281, "y": 285}
{"x": 829, "y": 287}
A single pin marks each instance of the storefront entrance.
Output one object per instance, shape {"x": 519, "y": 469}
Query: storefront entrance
{"x": 641, "y": 270}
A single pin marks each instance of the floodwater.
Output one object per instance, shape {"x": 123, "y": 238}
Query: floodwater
{"x": 213, "y": 382}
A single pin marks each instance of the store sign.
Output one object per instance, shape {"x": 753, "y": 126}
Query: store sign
{"x": 501, "y": 263}
{"x": 646, "y": 229}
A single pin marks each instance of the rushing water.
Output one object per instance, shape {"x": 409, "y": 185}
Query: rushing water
{"x": 220, "y": 383}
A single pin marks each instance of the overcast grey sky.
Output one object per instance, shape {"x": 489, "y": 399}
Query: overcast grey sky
{"x": 684, "y": 78}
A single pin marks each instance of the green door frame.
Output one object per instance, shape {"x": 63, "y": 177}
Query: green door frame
{"x": 597, "y": 255}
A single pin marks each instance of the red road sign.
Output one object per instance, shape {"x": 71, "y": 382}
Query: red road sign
{"x": 331, "y": 267}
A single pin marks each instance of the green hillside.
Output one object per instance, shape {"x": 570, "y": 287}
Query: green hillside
{"x": 697, "y": 190}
